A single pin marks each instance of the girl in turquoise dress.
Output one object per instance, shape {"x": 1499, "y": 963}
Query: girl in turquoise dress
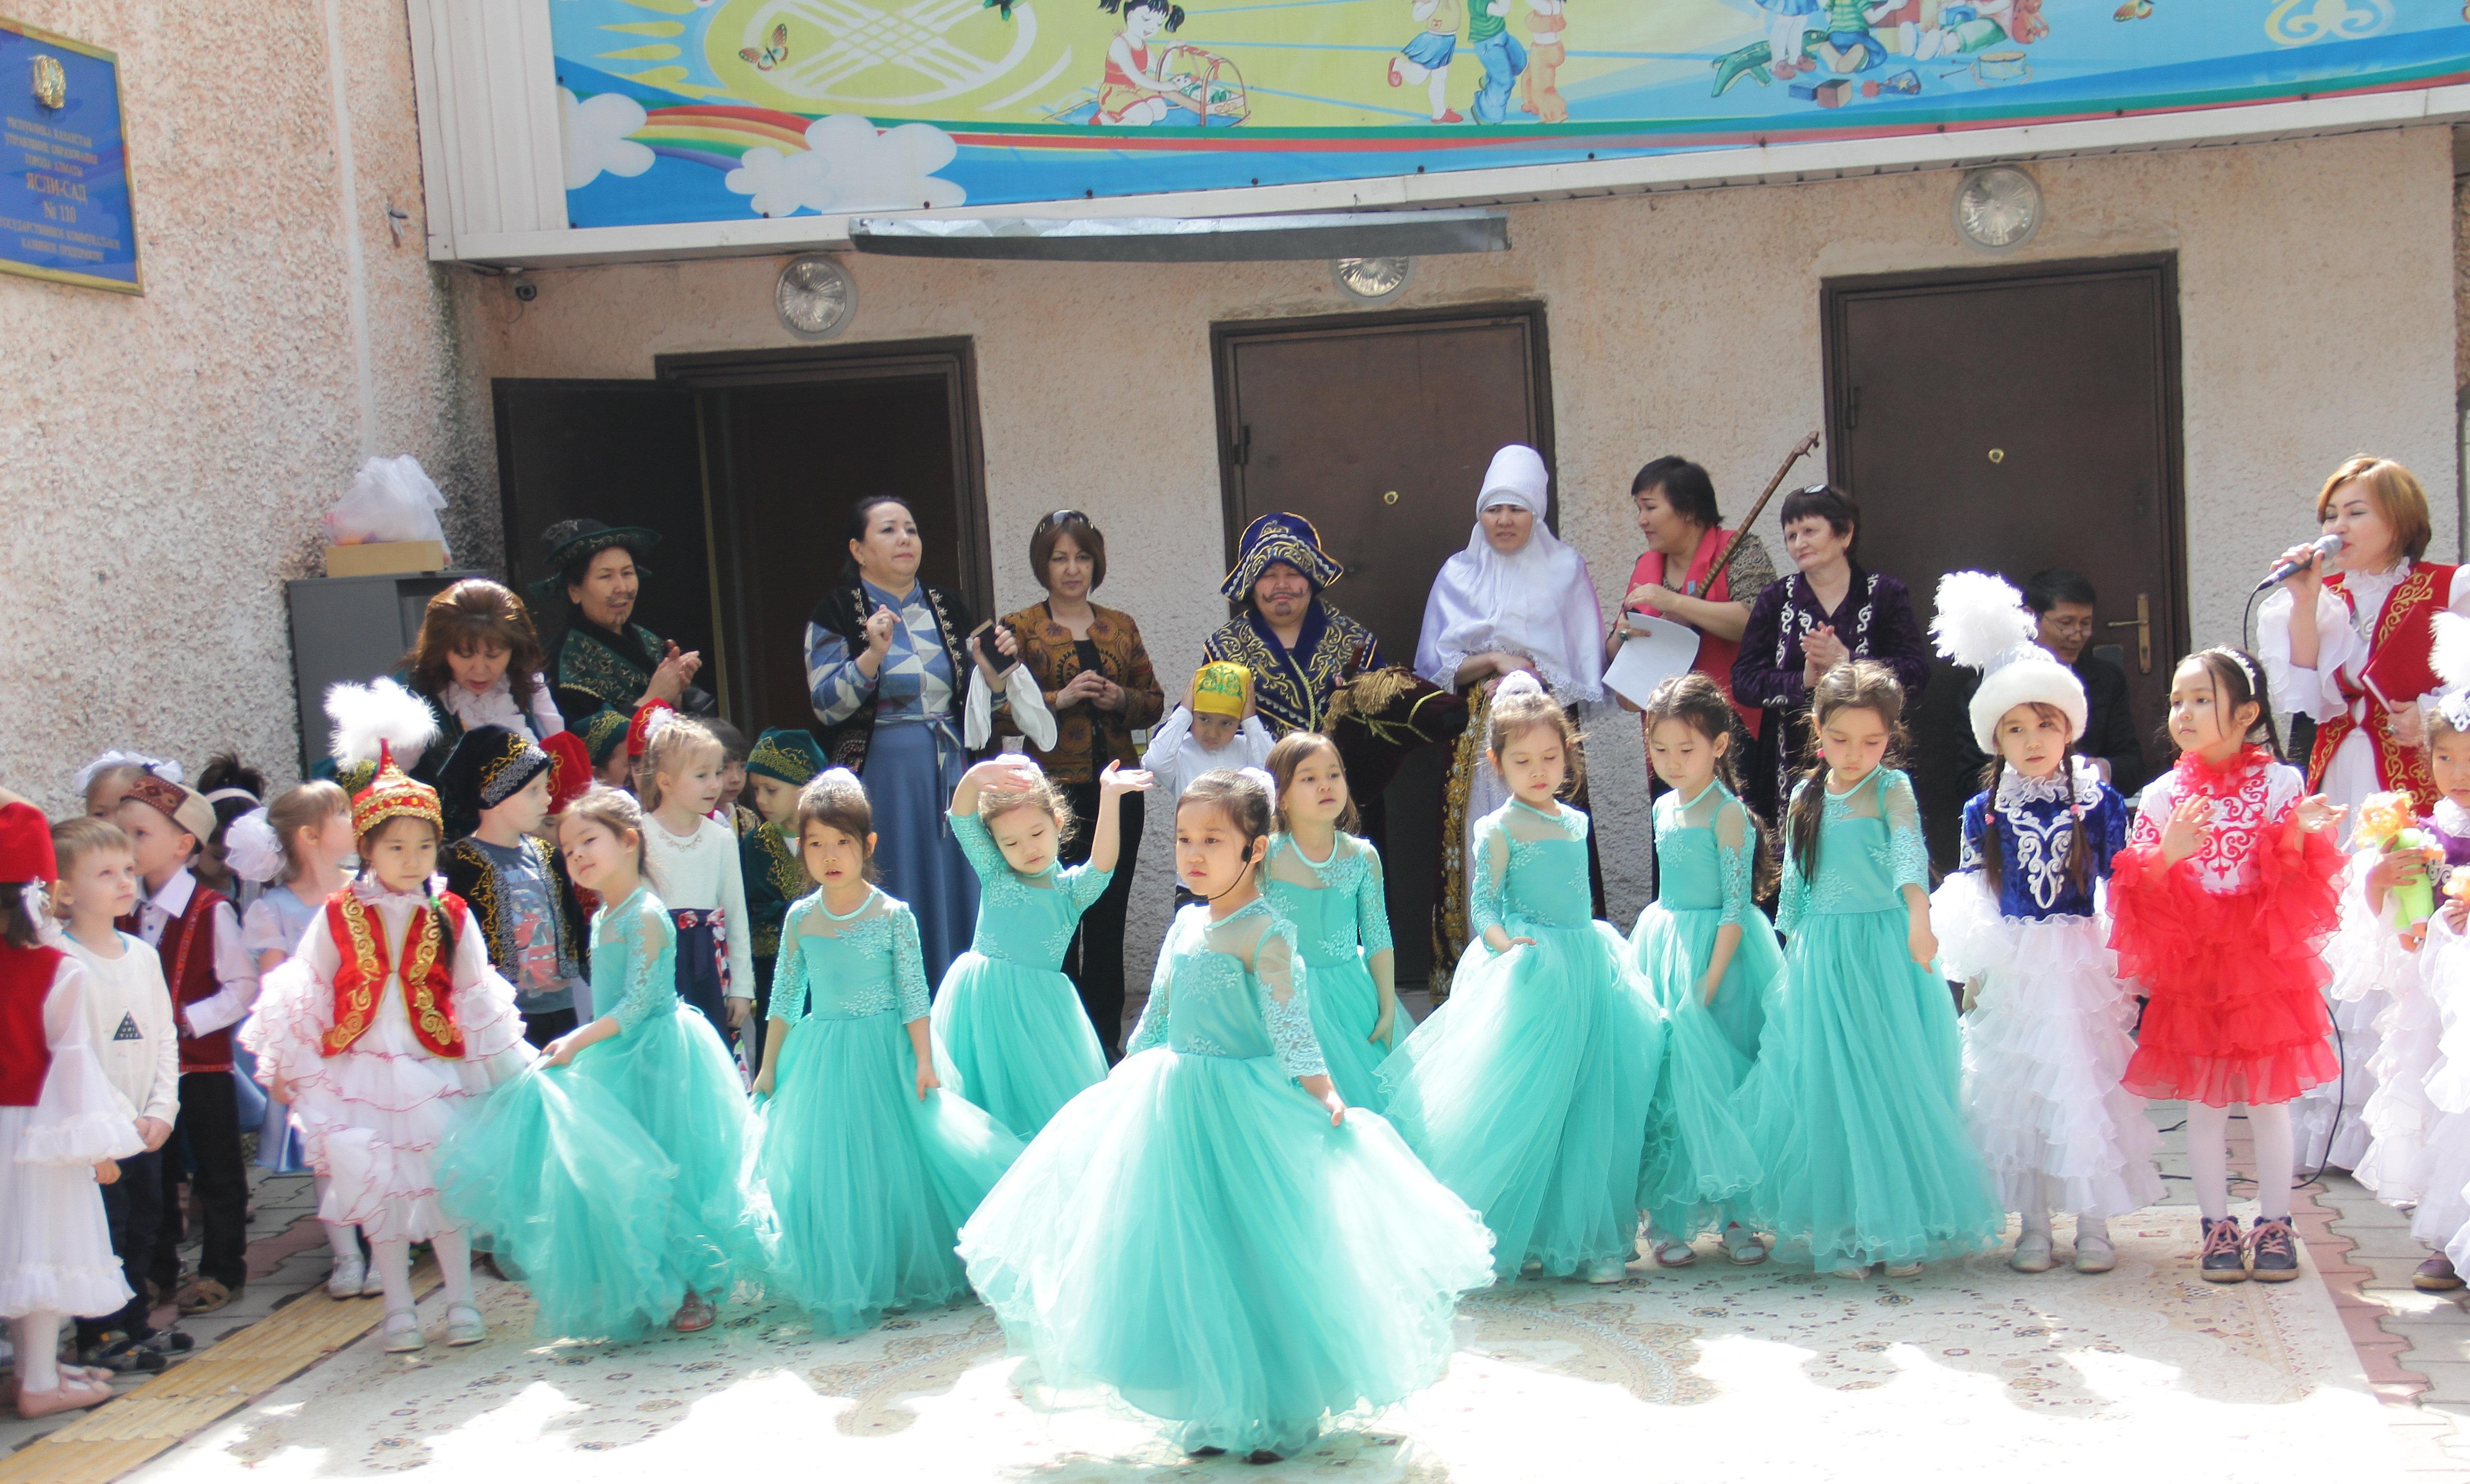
{"x": 1706, "y": 952}
{"x": 1531, "y": 1093}
{"x": 1856, "y": 1105}
{"x": 1240, "y": 1256}
{"x": 1327, "y": 882}
{"x": 609, "y": 1176}
{"x": 1010, "y": 1032}
{"x": 872, "y": 1168}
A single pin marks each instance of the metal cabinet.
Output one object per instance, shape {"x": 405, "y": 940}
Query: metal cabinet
{"x": 351, "y": 629}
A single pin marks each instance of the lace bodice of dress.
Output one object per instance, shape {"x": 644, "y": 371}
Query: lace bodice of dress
{"x": 834, "y": 968}
{"x": 1706, "y": 852}
{"x": 2252, "y": 797}
{"x": 1531, "y": 868}
{"x": 1339, "y": 905}
{"x": 633, "y": 959}
{"x": 1027, "y": 920}
{"x": 1869, "y": 848}
{"x": 1234, "y": 988}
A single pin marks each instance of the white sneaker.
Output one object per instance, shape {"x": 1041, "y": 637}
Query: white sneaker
{"x": 1609, "y": 1270}
{"x": 464, "y": 1326}
{"x": 1900, "y": 1270}
{"x": 349, "y": 1278}
{"x": 1854, "y": 1274}
{"x": 402, "y": 1334}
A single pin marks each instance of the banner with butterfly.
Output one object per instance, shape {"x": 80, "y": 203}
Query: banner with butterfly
{"x": 687, "y": 110}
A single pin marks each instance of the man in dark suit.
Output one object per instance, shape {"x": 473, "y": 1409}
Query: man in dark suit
{"x": 2062, "y": 600}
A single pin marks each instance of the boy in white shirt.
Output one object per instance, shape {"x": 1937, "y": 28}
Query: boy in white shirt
{"x": 1215, "y": 726}
{"x": 129, "y": 1016}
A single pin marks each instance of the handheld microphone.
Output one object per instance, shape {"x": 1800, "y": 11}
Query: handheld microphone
{"x": 2325, "y": 548}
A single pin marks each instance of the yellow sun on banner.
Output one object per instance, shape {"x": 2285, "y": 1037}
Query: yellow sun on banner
{"x": 942, "y": 57}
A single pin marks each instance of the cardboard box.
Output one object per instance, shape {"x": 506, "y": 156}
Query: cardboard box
{"x": 383, "y": 558}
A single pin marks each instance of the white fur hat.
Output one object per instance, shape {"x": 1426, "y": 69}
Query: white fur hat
{"x": 1982, "y": 624}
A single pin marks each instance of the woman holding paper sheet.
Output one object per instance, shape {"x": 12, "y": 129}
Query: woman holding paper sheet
{"x": 1676, "y": 513}
{"x": 1517, "y": 599}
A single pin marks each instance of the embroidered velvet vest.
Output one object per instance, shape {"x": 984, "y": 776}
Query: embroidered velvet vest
{"x": 26, "y": 976}
{"x": 2400, "y": 670}
{"x": 428, "y": 977}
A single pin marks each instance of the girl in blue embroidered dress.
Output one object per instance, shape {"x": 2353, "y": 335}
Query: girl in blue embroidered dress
{"x": 2047, "y": 1028}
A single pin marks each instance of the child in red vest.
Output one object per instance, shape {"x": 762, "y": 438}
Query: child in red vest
{"x": 60, "y": 1131}
{"x": 213, "y": 984}
{"x": 387, "y": 1021}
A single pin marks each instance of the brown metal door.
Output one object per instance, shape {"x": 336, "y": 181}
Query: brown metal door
{"x": 1378, "y": 432}
{"x": 791, "y": 439}
{"x": 2013, "y": 421}
{"x": 624, "y": 452}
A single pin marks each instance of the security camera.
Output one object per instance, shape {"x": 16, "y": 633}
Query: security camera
{"x": 526, "y": 291}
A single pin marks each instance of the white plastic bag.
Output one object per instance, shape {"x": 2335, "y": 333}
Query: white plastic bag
{"x": 391, "y": 499}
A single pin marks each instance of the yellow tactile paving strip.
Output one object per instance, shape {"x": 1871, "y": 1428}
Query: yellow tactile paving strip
{"x": 136, "y": 1426}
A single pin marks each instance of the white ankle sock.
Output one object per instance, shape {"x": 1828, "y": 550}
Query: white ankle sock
{"x": 2092, "y": 1228}
{"x": 2036, "y": 1224}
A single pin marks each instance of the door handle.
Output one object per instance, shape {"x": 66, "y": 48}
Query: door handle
{"x": 2142, "y": 624}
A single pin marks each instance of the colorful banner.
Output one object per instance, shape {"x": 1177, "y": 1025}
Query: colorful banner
{"x": 695, "y": 110}
{"x": 64, "y": 203}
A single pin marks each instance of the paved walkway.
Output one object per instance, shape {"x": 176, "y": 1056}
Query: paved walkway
{"x": 1691, "y": 1356}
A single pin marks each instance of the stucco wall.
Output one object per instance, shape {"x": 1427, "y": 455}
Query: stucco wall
{"x": 2317, "y": 316}
{"x": 164, "y": 458}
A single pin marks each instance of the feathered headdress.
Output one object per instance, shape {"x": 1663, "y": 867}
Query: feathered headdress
{"x": 371, "y": 722}
{"x": 1982, "y": 624}
{"x": 2450, "y": 658}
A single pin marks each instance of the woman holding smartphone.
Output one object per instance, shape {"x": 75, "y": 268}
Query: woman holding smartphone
{"x": 1095, "y": 673}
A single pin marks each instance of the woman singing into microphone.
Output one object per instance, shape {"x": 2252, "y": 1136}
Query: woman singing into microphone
{"x": 2351, "y": 647}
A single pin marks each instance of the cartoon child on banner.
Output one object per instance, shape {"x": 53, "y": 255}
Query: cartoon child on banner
{"x": 1503, "y": 58}
{"x": 1425, "y": 60}
{"x": 1543, "y": 100}
{"x": 1132, "y": 92}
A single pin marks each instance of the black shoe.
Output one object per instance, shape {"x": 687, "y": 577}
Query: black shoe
{"x": 1206, "y": 1452}
{"x": 118, "y": 1353}
{"x": 2272, "y": 1249}
{"x": 2224, "y": 1258}
{"x": 1262, "y": 1455}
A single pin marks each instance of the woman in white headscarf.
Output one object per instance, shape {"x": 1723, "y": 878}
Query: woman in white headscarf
{"x": 1517, "y": 599}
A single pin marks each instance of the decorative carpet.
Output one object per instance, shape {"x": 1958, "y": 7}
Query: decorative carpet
{"x": 1712, "y": 1372}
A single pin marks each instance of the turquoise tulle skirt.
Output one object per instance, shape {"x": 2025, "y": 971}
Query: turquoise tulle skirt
{"x": 1700, "y": 1166}
{"x": 1854, "y": 1106}
{"x": 1345, "y": 1005}
{"x": 1013, "y": 1040}
{"x": 869, "y": 1183}
{"x": 1195, "y": 1236}
{"x": 614, "y": 1185}
{"x": 1527, "y": 1092}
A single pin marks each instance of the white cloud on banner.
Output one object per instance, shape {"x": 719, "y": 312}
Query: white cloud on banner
{"x": 848, "y": 166}
{"x": 595, "y": 131}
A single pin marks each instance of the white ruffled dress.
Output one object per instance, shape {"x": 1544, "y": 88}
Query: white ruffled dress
{"x": 2437, "y": 1176}
{"x": 2371, "y": 971}
{"x": 2046, "y": 1041}
{"x": 2401, "y": 1116}
{"x": 54, "y": 1245}
{"x": 373, "y": 1114}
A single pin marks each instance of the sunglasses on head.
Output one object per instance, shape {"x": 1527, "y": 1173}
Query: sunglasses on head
{"x": 1056, "y": 518}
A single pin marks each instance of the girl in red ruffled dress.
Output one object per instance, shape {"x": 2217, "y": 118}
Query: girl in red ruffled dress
{"x": 2222, "y": 902}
